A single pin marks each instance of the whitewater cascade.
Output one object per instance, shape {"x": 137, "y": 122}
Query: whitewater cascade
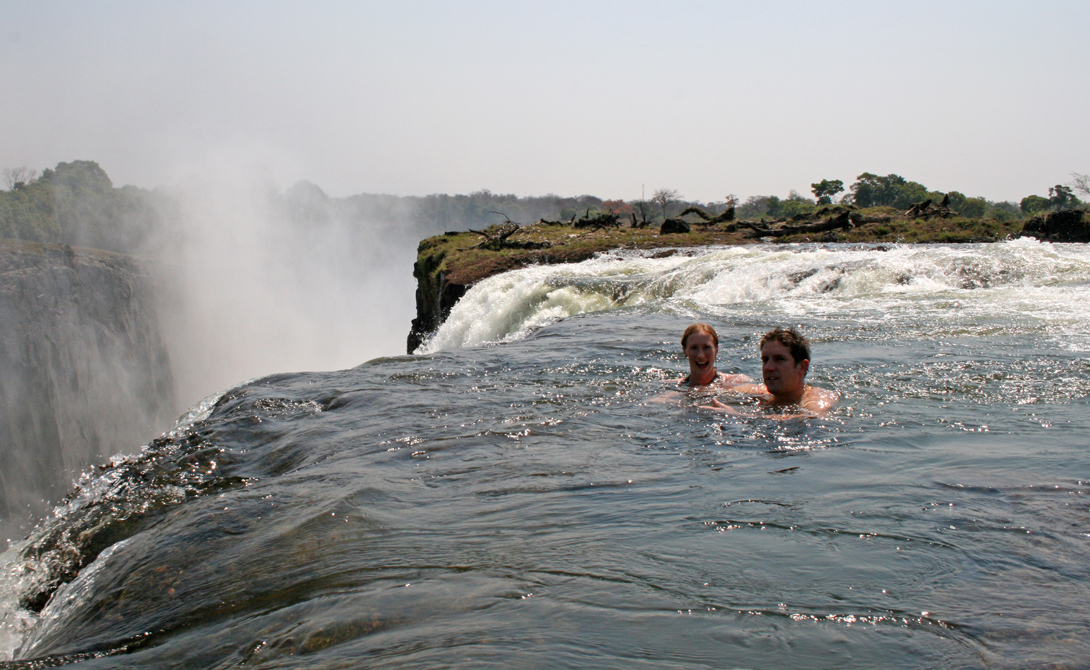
{"x": 870, "y": 283}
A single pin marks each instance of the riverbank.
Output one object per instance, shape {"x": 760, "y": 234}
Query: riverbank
{"x": 448, "y": 265}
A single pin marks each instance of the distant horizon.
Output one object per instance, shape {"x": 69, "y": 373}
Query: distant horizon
{"x": 741, "y": 198}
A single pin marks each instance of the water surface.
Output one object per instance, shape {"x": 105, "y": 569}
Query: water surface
{"x": 513, "y": 499}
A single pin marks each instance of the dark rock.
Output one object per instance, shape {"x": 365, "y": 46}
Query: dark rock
{"x": 842, "y": 220}
{"x": 672, "y": 226}
{"x": 435, "y": 297}
{"x": 1068, "y": 225}
{"x": 598, "y": 221}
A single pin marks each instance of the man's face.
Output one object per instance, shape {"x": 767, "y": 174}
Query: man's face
{"x": 782, "y": 376}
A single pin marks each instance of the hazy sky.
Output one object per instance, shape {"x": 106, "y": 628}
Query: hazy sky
{"x": 412, "y": 98}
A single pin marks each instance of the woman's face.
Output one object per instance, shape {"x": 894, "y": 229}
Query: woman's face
{"x": 701, "y": 351}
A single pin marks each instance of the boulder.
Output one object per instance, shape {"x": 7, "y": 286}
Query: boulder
{"x": 1067, "y": 225}
{"x": 671, "y": 226}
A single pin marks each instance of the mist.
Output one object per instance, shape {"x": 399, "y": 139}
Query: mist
{"x": 255, "y": 280}
{"x": 223, "y": 277}
{"x": 198, "y": 286}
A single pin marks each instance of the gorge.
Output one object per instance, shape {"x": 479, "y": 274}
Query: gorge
{"x": 84, "y": 373}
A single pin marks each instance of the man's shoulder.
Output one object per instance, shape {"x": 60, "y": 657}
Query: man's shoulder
{"x": 819, "y": 399}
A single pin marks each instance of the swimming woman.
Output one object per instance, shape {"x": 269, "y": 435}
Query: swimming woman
{"x": 700, "y": 344}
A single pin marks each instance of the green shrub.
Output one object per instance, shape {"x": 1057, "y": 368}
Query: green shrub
{"x": 1034, "y": 204}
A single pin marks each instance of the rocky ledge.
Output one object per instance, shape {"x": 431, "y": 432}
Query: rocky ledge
{"x": 448, "y": 265}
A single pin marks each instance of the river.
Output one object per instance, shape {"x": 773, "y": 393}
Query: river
{"x": 513, "y": 496}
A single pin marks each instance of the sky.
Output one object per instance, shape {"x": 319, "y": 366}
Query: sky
{"x": 612, "y": 99}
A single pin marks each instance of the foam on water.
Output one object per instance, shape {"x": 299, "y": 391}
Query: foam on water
{"x": 15, "y": 622}
{"x": 952, "y": 288}
{"x": 17, "y": 575}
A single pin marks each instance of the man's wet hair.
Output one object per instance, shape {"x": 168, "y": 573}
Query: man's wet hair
{"x": 699, "y": 328}
{"x": 790, "y": 338}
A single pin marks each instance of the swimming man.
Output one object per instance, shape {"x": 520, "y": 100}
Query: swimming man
{"x": 785, "y": 360}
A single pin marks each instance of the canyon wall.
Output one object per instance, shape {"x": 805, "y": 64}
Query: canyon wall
{"x": 84, "y": 373}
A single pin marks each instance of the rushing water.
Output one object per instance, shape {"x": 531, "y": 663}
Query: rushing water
{"x": 526, "y": 504}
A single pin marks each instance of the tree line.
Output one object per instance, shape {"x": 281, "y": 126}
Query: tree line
{"x": 77, "y": 204}
{"x": 892, "y": 190}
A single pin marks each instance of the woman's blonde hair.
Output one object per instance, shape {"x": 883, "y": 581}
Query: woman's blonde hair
{"x": 699, "y": 328}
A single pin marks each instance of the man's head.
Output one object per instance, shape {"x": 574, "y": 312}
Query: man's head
{"x": 785, "y": 359}
{"x": 790, "y": 338}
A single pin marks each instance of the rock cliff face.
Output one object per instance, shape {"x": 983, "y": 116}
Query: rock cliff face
{"x": 435, "y": 296}
{"x": 83, "y": 372}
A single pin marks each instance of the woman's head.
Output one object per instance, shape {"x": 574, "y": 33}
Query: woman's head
{"x": 699, "y": 328}
{"x": 700, "y": 345}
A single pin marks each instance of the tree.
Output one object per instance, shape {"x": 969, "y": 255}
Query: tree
{"x": 1081, "y": 183}
{"x": 756, "y": 206}
{"x": 958, "y": 202}
{"x": 1003, "y": 211}
{"x": 774, "y": 206}
{"x": 1032, "y": 204}
{"x": 89, "y": 209}
{"x": 19, "y": 177}
{"x": 643, "y": 207}
{"x": 792, "y": 207}
{"x": 796, "y": 205}
{"x": 664, "y": 197}
{"x": 28, "y": 212}
{"x": 892, "y": 190}
{"x": 76, "y": 203}
{"x": 973, "y": 208}
{"x": 955, "y": 200}
{"x": 1061, "y": 197}
{"x": 618, "y": 207}
{"x": 824, "y": 190}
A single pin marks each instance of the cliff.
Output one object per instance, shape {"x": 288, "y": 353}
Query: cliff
{"x": 83, "y": 372}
